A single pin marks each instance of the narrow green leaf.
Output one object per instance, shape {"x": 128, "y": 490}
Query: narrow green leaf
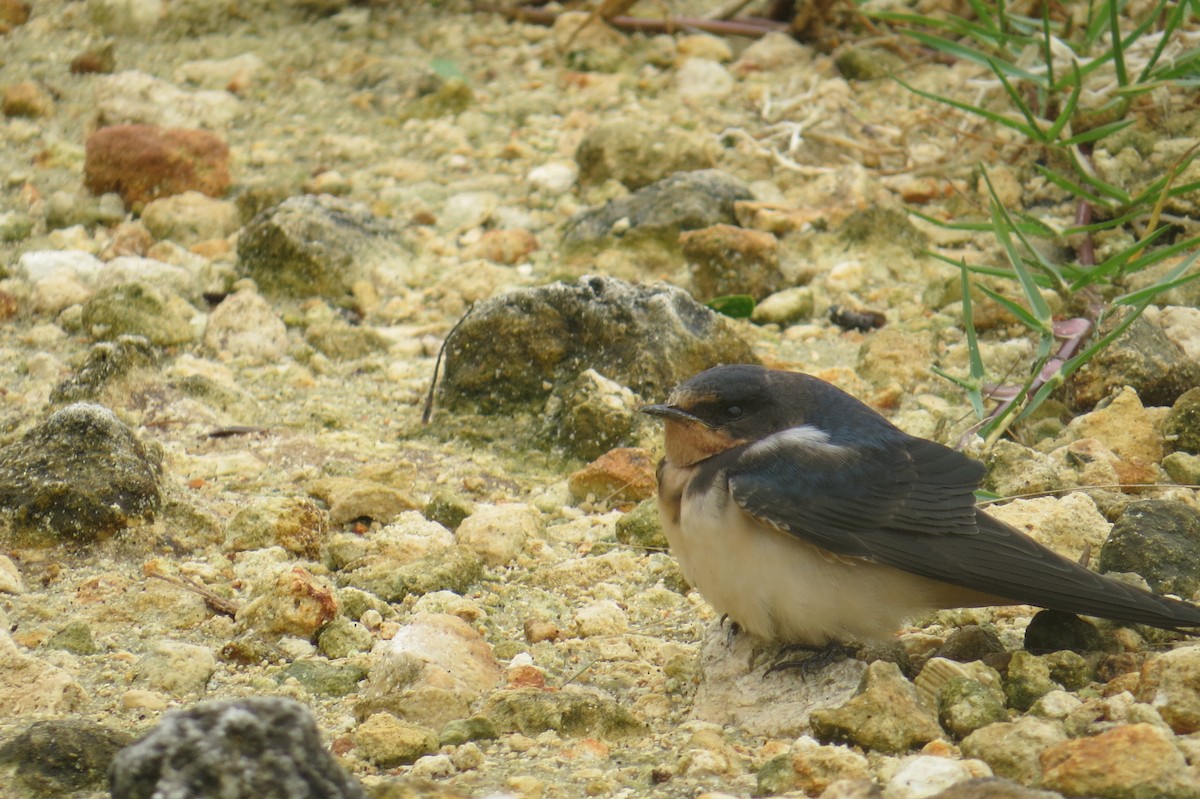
{"x": 1087, "y": 176}
{"x": 1027, "y": 112}
{"x": 1068, "y": 109}
{"x": 1016, "y": 309}
{"x": 1003, "y": 229}
{"x": 991, "y": 116}
{"x": 974, "y": 355}
{"x": 737, "y": 306}
{"x": 1176, "y": 277}
{"x": 1097, "y": 133}
{"x": 1118, "y": 47}
{"x": 1168, "y": 32}
{"x": 1071, "y": 187}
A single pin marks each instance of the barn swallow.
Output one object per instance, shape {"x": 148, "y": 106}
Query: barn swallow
{"x": 807, "y": 518}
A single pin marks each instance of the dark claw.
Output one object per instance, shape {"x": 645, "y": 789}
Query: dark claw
{"x": 818, "y": 658}
{"x": 734, "y": 629}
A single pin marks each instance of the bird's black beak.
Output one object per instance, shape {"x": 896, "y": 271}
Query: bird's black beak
{"x": 671, "y": 412}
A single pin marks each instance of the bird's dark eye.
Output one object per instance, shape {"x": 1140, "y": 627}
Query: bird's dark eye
{"x": 734, "y": 412}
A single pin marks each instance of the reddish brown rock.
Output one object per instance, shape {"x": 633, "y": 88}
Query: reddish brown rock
{"x": 726, "y": 259}
{"x": 510, "y": 246}
{"x": 146, "y": 162}
{"x": 625, "y": 474}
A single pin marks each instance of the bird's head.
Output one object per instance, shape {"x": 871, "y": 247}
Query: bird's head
{"x": 720, "y": 408}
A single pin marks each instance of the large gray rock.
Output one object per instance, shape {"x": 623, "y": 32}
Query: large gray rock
{"x": 256, "y": 748}
{"x": 79, "y": 475}
{"x": 319, "y": 246}
{"x": 1160, "y": 540}
{"x": 1143, "y": 358}
{"x": 654, "y": 216}
{"x": 514, "y": 350}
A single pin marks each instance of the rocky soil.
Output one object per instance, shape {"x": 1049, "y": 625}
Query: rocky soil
{"x": 234, "y": 238}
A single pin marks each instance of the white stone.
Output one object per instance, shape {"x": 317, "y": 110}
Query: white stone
{"x": 925, "y": 775}
{"x": 245, "y": 326}
{"x": 177, "y": 668}
{"x": 10, "y": 577}
{"x": 133, "y": 268}
{"x": 135, "y": 98}
{"x": 601, "y": 618}
{"x": 699, "y": 78}
{"x": 556, "y": 177}
{"x": 39, "y": 265}
{"x": 497, "y": 533}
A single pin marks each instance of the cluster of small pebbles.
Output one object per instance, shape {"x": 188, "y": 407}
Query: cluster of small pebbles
{"x": 244, "y": 544}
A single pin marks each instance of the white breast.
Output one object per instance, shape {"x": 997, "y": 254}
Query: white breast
{"x": 777, "y": 587}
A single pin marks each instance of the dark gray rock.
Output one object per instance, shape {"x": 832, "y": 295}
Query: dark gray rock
{"x": 256, "y": 748}
{"x": 57, "y": 757}
{"x": 969, "y": 643}
{"x": 80, "y": 475}
{"x": 514, "y": 350}
{"x": 1182, "y": 425}
{"x": 1160, "y": 540}
{"x": 106, "y": 362}
{"x": 1143, "y": 358}
{"x": 1054, "y": 630}
{"x": 658, "y": 213}
{"x": 318, "y": 246}
{"x": 638, "y": 153}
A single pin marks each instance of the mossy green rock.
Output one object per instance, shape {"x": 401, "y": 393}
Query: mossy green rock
{"x": 652, "y": 218}
{"x": 573, "y": 712}
{"x": 139, "y": 309}
{"x": 454, "y": 569}
{"x": 75, "y": 638}
{"x": 965, "y": 705}
{"x": 1028, "y": 680}
{"x": 460, "y": 731}
{"x": 642, "y": 527}
{"x": 448, "y": 508}
{"x": 80, "y": 475}
{"x": 1182, "y": 425}
{"x": 886, "y": 715}
{"x": 312, "y": 246}
{"x": 106, "y": 362}
{"x": 60, "y": 757}
{"x": 342, "y": 638}
{"x": 325, "y": 678}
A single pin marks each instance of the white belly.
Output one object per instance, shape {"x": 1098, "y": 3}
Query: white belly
{"x": 777, "y": 587}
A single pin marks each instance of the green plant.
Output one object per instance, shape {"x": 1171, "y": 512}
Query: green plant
{"x": 1065, "y": 88}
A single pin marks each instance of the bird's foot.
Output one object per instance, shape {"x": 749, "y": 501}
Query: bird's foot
{"x": 734, "y": 629}
{"x": 818, "y": 656}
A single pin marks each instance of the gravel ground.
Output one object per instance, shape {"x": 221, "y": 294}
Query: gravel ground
{"x": 297, "y": 478}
